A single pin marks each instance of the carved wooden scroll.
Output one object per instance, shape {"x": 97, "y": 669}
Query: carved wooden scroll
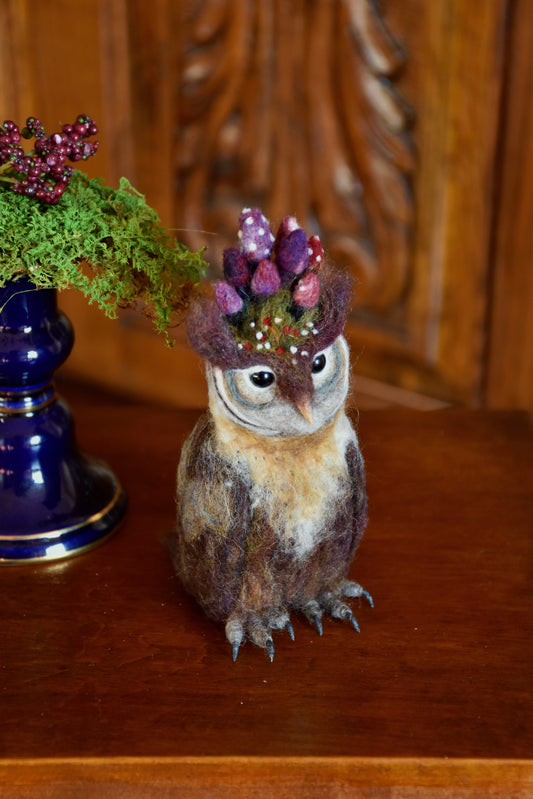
{"x": 290, "y": 106}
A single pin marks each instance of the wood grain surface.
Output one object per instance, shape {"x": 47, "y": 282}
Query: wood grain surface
{"x": 111, "y": 677}
{"x": 510, "y": 376}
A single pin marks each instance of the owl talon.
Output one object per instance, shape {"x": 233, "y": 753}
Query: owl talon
{"x": 351, "y": 618}
{"x": 258, "y": 628}
{"x": 353, "y": 590}
{"x": 317, "y": 621}
{"x": 313, "y": 613}
{"x": 290, "y": 630}
{"x": 338, "y": 609}
{"x": 234, "y": 635}
{"x": 270, "y": 649}
{"x": 279, "y": 620}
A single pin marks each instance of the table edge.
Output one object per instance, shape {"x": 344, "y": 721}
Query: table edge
{"x": 513, "y": 776}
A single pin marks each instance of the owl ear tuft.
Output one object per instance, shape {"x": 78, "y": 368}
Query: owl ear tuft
{"x": 209, "y": 334}
{"x": 336, "y": 295}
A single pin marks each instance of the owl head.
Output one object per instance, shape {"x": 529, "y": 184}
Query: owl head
{"x": 277, "y": 363}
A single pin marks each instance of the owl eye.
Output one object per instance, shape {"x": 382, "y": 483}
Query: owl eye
{"x": 262, "y": 379}
{"x": 318, "y": 363}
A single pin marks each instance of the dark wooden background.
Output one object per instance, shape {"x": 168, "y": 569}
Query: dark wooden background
{"x": 399, "y": 131}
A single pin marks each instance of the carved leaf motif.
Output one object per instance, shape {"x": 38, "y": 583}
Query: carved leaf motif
{"x": 290, "y": 106}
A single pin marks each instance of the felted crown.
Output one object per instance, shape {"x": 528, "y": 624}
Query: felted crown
{"x": 279, "y": 298}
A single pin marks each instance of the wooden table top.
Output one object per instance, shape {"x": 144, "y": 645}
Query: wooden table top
{"x": 106, "y": 665}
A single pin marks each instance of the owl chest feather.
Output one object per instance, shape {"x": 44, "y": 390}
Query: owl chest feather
{"x": 296, "y": 483}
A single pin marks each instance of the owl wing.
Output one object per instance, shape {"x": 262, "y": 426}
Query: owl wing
{"x": 212, "y": 522}
{"x": 356, "y": 472}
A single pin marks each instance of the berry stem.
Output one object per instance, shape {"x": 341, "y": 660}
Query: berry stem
{"x": 6, "y": 168}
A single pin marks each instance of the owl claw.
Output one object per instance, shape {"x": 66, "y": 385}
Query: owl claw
{"x": 317, "y": 622}
{"x": 352, "y": 589}
{"x": 339, "y": 610}
{"x": 313, "y": 613}
{"x": 270, "y": 649}
{"x": 258, "y": 628}
{"x": 290, "y": 630}
{"x": 351, "y": 618}
{"x": 234, "y": 635}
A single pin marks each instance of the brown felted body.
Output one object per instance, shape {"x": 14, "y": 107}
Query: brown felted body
{"x": 239, "y": 506}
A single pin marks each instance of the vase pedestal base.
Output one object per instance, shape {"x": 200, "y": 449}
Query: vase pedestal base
{"x": 56, "y": 501}
{"x": 68, "y": 541}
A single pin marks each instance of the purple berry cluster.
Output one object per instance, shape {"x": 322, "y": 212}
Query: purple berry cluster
{"x": 263, "y": 265}
{"x": 43, "y": 173}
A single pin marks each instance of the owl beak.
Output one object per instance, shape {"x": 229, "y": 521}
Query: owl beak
{"x": 304, "y": 406}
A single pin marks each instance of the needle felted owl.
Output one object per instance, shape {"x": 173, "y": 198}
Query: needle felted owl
{"x": 271, "y": 499}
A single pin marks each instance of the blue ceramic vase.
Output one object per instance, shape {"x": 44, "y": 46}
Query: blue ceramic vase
{"x": 55, "y": 501}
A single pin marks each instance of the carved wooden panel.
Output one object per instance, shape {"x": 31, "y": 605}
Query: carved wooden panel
{"x": 291, "y": 106}
{"x": 377, "y": 124}
{"x": 510, "y": 349}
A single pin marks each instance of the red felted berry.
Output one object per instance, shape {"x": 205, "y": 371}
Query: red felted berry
{"x": 307, "y": 291}
{"x": 41, "y": 173}
{"x": 316, "y": 253}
